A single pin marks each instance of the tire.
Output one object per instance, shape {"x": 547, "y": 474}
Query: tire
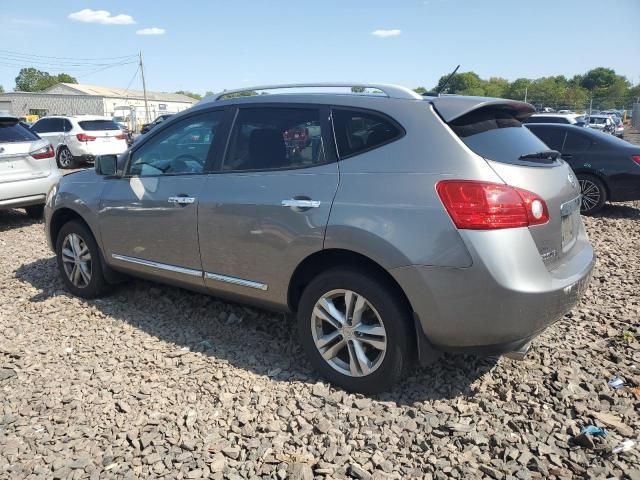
{"x": 383, "y": 307}
{"x": 35, "y": 211}
{"x": 594, "y": 194}
{"x": 89, "y": 280}
{"x": 65, "y": 159}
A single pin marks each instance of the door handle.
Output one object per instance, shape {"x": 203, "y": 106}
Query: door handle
{"x": 181, "y": 200}
{"x": 295, "y": 203}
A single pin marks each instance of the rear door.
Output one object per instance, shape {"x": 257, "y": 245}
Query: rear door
{"x": 496, "y": 133}
{"x": 267, "y": 208}
{"x": 16, "y": 144}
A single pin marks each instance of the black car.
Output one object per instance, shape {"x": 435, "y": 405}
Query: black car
{"x": 148, "y": 126}
{"x": 607, "y": 168}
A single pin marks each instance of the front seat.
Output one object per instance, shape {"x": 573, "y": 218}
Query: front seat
{"x": 267, "y": 149}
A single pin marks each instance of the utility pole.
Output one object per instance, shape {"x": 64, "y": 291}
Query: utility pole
{"x": 144, "y": 90}
{"x": 526, "y": 91}
{"x": 591, "y": 105}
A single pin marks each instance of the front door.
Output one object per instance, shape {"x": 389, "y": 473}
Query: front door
{"x": 148, "y": 218}
{"x": 268, "y": 206}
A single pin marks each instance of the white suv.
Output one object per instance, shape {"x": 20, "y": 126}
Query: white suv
{"x": 81, "y": 137}
{"x": 27, "y": 168}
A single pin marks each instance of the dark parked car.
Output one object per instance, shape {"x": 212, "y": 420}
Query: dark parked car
{"x": 607, "y": 168}
{"x": 148, "y": 126}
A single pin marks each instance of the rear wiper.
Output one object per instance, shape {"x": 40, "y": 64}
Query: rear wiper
{"x": 550, "y": 154}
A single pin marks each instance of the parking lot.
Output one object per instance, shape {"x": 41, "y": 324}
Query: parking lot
{"x": 154, "y": 381}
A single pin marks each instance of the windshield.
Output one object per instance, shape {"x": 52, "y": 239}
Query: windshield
{"x": 497, "y": 135}
{"x": 93, "y": 125}
{"x": 11, "y": 131}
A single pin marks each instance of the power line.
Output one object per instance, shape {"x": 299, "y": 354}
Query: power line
{"x": 67, "y": 58}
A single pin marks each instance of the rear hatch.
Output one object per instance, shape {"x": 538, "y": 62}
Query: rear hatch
{"x": 492, "y": 128}
{"x": 17, "y": 143}
{"x": 103, "y": 136}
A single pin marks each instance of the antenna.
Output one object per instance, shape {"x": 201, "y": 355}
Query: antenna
{"x": 446, "y": 82}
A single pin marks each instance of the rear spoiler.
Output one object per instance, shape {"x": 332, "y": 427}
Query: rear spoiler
{"x": 451, "y": 107}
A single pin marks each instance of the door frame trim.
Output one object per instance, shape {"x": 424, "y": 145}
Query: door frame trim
{"x": 158, "y": 265}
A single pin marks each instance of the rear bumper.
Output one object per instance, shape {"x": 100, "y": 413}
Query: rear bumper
{"x": 23, "y": 193}
{"x": 506, "y": 298}
{"x": 90, "y": 150}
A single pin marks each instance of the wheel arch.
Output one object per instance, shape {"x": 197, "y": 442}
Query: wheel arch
{"x": 327, "y": 259}
{"x": 596, "y": 174}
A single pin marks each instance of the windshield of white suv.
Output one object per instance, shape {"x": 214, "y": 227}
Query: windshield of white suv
{"x": 93, "y": 125}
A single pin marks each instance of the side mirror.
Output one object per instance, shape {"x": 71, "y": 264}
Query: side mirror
{"x": 106, "y": 165}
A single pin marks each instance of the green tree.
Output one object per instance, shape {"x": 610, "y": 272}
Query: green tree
{"x": 197, "y": 96}
{"x": 209, "y": 93}
{"x": 496, "y": 87}
{"x": 466, "y": 83}
{"x": 33, "y": 80}
{"x": 420, "y": 90}
{"x": 607, "y": 89}
{"x": 1, "y": 89}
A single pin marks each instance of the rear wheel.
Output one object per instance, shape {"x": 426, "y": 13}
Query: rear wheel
{"x": 355, "y": 330}
{"x": 35, "y": 211}
{"x": 594, "y": 194}
{"x": 65, "y": 158}
{"x": 79, "y": 261}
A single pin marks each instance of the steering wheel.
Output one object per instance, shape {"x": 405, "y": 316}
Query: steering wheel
{"x": 179, "y": 164}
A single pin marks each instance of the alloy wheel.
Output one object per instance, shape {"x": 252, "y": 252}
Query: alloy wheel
{"x": 76, "y": 260}
{"x": 590, "y": 194}
{"x": 64, "y": 157}
{"x": 349, "y": 333}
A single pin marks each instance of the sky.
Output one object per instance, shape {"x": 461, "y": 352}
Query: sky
{"x": 200, "y": 45}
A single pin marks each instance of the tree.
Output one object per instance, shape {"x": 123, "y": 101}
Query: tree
{"x": 1, "y": 89}
{"x": 466, "y": 83}
{"x": 197, "y": 96}
{"x": 496, "y": 87}
{"x": 209, "y": 93}
{"x": 518, "y": 89}
{"x": 420, "y": 90}
{"x": 33, "y": 80}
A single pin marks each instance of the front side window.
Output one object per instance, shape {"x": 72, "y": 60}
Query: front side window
{"x": 275, "y": 138}
{"x": 183, "y": 148}
{"x": 358, "y": 131}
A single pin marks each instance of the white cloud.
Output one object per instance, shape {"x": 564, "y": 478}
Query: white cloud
{"x": 151, "y": 31}
{"x": 101, "y": 16}
{"x": 386, "y": 33}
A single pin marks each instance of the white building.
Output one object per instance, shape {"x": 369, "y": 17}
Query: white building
{"x": 78, "y": 99}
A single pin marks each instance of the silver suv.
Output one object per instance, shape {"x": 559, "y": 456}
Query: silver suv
{"x": 393, "y": 225}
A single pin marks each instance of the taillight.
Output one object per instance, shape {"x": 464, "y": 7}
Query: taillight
{"x": 636, "y": 158}
{"x": 42, "y": 153}
{"x": 122, "y": 136}
{"x": 475, "y": 205}
{"x": 83, "y": 137}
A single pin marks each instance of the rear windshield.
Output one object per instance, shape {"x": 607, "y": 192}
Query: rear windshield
{"x": 11, "y": 131}
{"x": 496, "y": 134}
{"x": 92, "y": 125}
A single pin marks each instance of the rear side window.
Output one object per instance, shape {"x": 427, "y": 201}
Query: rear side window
{"x": 275, "y": 138}
{"x": 45, "y": 125}
{"x": 496, "y": 134}
{"x": 358, "y": 131}
{"x": 11, "y": 132}
{"x": 93, "y": 125}
{"x": 552, "y": 137}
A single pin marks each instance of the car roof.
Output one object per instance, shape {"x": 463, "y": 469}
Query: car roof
{"x": 556, "y": 115}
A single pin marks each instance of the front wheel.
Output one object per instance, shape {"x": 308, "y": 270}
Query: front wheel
{"x": 79, "y": 263}
{"x": 594, "y": 194}
{"x": 355, "y": 330}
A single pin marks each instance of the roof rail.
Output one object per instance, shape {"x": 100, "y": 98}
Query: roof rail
{"x": 391, "y": 91}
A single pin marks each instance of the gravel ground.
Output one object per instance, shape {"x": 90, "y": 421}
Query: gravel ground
{"x": 154, "y": 381}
